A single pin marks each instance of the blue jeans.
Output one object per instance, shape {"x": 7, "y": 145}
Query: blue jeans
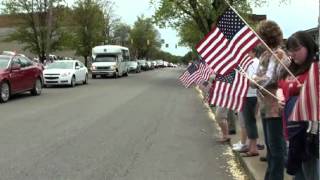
{"x": 275, "y": 143}
{"x": 309, "y": 170}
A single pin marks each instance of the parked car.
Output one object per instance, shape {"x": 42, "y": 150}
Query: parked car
{"x": 160, "y": 63}
{"x": 134, "y": 66}
{"x": 143, "y": 64}
{"x": 19, "y": 74}
{"x": 148, "y": 65}
{"x": 65, "y": 72}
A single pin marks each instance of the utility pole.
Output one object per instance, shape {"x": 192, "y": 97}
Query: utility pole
{"x": 49, "y": 28}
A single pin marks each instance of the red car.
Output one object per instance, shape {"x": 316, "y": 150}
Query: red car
{"x": 19, "y": 74}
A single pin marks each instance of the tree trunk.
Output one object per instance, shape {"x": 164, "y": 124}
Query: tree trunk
{"x": 86, "y": 61}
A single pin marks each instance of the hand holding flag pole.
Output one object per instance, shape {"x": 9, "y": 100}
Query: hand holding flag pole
{"x": 268, "y": 48}
{"x": 254, "y": 82}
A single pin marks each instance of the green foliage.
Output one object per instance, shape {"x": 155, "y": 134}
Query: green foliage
{"x": 88, "y": 30}
{"x": 194, "y": 18}
{"x": 121, "y": 34}
{"x": 187, "y": 58}
{"x": 32, "y": 30}
{"x": 144, "y": 38}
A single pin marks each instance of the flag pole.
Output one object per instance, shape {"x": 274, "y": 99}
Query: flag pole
{"x": 286, "y": 68}
{"x": 319, "y": 30}
{"x": 254, "y": 82}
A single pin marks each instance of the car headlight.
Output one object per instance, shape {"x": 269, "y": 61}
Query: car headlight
{"x": 65, "y": 74}
{"x": 93, "y": 68}
{"x": 113, "y": 67}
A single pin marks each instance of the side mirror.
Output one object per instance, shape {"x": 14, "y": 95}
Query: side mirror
{"x": 77, "y": 67}
{"x": 16, "y": 67}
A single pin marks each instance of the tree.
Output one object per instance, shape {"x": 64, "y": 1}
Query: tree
{"x": 121, "y": 34}
{"x": 33, "y": 30}
{"x": 110, "y": 19}
{"x": 89, "y": 27}
{"x": 194, "y": 18}
{"x": 144, "y": 37}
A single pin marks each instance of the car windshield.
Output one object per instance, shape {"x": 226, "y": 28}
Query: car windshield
{"x": 4, "y": 62}
{"x": 105, "y": 58}
{"x": 60, "y": 65}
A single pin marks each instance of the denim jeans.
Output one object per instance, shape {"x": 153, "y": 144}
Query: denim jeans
{"x": 273, "y": 134}
{"x": 309, "y": 170}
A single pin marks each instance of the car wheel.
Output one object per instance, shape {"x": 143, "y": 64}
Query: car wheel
{"x": 37, "y": 88}
{"x": 126, "y": 74}
{"x": 4, "y": 92}
{"x": 93, "y": 76}
{"x": 73, "y": 81}
{"x": 85, "y": 79}
{"x": 116, "y": 75}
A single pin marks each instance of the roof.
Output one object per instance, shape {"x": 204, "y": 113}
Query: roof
{"x": 10, "y": 20}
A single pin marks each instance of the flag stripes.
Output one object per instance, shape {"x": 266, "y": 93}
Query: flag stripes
{"x": 227, "y": 44}
{"x": 307, "y": 105}
{"x": 228, "y": 94}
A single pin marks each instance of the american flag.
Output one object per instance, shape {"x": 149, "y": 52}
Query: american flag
{"x": 230, "y": 90}
{"x": 204, "y": 72}
{"x": 227, "y": 44}
{"x": 307, "y": 105}
{"x": 190, "y": 75}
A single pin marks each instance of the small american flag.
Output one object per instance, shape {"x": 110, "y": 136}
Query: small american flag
{"x": 204, "y": 72}
{"x": 230, "y": 90}
{"x": 227, "y": 44}
{"x": 307, "y": 105}
{"x": 190, "y": 75}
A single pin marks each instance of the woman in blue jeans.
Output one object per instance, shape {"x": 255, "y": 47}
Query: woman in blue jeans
{"x": 267, "y": 76}
{"x": 303, "y": 154}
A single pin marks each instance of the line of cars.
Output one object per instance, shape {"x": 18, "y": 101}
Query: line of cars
{"x": 19, "y": 74}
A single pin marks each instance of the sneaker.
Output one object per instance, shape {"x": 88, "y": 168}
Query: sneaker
{"x": 237, "y": 144}
{"x": 240, "y": 147}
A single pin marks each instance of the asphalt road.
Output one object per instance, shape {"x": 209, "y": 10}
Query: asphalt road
{"x": 142, "y": 127}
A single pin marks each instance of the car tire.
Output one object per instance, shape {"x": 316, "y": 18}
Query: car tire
{"x": 86, "y": 79}
{"x": 4, "y": 92}
{"x": 73, "y": 81}
{"x": 93, "y": 76}
{"x": 126, "y": 74}
{"x": 115, "y": 75}
{"x": 37, "y": 88}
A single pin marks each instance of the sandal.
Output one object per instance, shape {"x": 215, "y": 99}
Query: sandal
{"x": 260, "y": 146}
{"x": 249, "y": 154}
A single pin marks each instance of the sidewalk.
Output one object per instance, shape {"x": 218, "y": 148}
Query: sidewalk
{"x": 253, "y": 167}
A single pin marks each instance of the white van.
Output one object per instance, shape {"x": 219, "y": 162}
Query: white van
{"x": 110, "y": 60}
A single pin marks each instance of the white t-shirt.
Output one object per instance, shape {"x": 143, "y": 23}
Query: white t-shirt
{"x": 251, "y": 71}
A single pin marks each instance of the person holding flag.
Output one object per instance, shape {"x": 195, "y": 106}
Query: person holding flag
{"x": 303, "y": 154}
{"x": 267, "y": 77}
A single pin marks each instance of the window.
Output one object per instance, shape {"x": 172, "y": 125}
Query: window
{"x": 77, "y": 64}
{"x": 25, "y": 62}
{"x": 16, "y": 61}
{"x": 126, "y": 55}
